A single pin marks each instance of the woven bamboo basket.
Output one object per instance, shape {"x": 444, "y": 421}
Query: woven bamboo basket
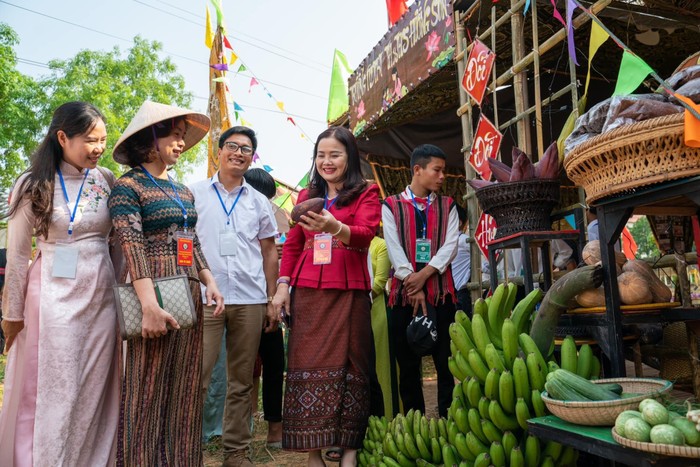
{"x": 604, "y": 413}
{"x": 522, "y": 206}
{"x": 632, "y": 156}
{"x": 663, "y": 449}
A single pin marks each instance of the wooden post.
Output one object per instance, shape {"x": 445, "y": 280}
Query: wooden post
{"x": 520, "y": 92}
{"x": 467, "y": 139}
{"x": 538, "y": 92}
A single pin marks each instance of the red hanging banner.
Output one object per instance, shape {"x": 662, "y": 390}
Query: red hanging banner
{"x": 478, "y": 70}
{"x": 485, "y": 232}
{"x": 487, "y": 141}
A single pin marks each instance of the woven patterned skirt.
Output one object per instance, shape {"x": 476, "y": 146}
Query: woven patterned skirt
{"x": 326, "y": 402}
{"x": 161, "y": 409}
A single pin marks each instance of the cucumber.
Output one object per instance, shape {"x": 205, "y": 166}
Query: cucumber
{"x": 690, "y": 432}
{"x": 614, "y": 387}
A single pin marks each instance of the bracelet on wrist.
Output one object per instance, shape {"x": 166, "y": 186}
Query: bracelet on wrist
{"x": 340, "y": 227}
{"x": 282, "y": 280}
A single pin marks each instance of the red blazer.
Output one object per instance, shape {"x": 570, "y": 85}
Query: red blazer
{"x": 348, "y": 267}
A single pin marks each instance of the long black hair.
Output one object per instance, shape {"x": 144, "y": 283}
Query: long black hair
{"x": 353, "y": 183}
{"x": 74, "y": 119}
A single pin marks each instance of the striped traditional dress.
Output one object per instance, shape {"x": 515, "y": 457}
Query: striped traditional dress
{"x": 161, "y": 406}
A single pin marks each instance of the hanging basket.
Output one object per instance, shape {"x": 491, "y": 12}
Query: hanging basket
{"x": 523, "y": 206}
{"x": 632, "y": 156}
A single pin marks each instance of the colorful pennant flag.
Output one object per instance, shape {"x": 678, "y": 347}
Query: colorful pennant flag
{"x": 244, "y": 122}
{"x": 527, "y": 7}
{"x": 304, "y": 182}
{"x": 290, "y": 119}
{"x": 220, "y": 66}
{"x": 280, "y": 105}
{"x": 556, "y": 14}
{"x": 633, "y": 70}
{"x": 570, "y": 7}
{"x": 395, "y": 9}
{"x": 241, "y": 68}
{"x": 219, "y": 13}
{"x": 220, "y": 79}
{"x": 629, "y": 246}
{"x": 233, "y": 59}
{"x": 253, "y": 82}
{"x": 267, "y": 168}
{"x": 208, "y": 33}
{"x": 227, "y": 44}
{"x": 256, "y": 158}
{"x": 338, "y": 98}
{"x": 237, "y": 107}
{"x": 598, "y": 38}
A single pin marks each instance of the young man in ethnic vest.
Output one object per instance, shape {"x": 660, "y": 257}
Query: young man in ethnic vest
{"x": 421, "y": 229}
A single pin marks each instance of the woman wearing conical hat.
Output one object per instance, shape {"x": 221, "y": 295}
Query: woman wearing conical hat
{"x": 155, "y": 218}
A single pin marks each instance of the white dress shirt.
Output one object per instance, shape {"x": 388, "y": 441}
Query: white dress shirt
{"x": 440, "y": 260}
{"x": 461, "y": 265}
{"x": 240, "y": 277}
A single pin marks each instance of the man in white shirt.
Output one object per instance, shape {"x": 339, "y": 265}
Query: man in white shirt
{"x": 461, "y": 265}
{"x": 237, "y": 229}
{"x": 421, "y": 230}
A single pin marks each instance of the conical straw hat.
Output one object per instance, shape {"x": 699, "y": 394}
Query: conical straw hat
{"x": 151, "y": 113}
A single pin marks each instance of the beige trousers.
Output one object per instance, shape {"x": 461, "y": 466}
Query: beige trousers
{"x": 243, "y": 324}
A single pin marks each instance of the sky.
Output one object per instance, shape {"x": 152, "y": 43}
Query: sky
{"x": 287, "y": 45}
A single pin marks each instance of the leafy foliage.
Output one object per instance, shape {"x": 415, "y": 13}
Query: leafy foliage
{"x": 115, "y": 82}
{"x": 646, "y": 244}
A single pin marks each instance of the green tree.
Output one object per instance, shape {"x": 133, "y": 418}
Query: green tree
{"x": 20, "y": 99}
{"x": 646, "y": 244}
{"x": 118, "y": 85}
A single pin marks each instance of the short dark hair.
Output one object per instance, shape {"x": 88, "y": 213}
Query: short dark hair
{"x": 593, "y": 210}
{"x": 422, "y": 154}
{"x": 262, "y": 181}
{"x": 139, "y": 147}
{"x": 239, "y": 130}
{"x": 461, "y": 214}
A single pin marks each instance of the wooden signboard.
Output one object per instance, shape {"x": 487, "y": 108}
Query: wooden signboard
{"x": 416, "y": 46}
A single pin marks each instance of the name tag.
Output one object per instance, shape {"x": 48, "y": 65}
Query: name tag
{"x": 322, "y": 248}
{"x": 422, "y": 250}
{"x": 227, "y": 243}
{"x": 65, "y": 260}
{"x": 185, "y": 248}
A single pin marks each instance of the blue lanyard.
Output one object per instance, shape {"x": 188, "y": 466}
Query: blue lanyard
{"x": 77, "y": 200}
{"x": 176, "y": 199}
{"x": 223, "y": 205}
{"x": 427, "y": 210}
{"x": 326, "y": 205}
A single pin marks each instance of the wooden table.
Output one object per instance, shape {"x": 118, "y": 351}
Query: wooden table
{"x": 598, "y": 441}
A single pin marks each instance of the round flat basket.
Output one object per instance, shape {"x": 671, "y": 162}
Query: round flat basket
{"x": 632, "y": 156}
{"x": 663, "y": 449}
{"x": 522, "y": 206}
{"x": 604, "y": 413}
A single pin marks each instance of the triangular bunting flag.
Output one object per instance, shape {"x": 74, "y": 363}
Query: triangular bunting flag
{"x": 598, "y": 37}
{"x": 256, "y": 158}
{"x": 527, "y": 7}
{"x": 629, "y": 246}
{"x": 570, "y": 7}
{"x": 632, "y": 72}
{"x": 338, "y": 99}
{"x": 244, "y": 122}
{"x": 241, "y": 68}
{"x": 233, "y": 59}
{"x": 208, "y": 33}
{"x": 237, "y": 107}
{"x": 253, "y": 82}
{"x": 556, "y": 13}
{"x": 280, "y": 105}
{"x": 236, "y": 114}
{"x": 304, "y": 182}
{"x": 290, "y": 119}
{"x": 267, "y": 168}
{"x": 227, "y": 44}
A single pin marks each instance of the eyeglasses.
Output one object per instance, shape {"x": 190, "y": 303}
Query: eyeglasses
{"x": 245, "y": 150}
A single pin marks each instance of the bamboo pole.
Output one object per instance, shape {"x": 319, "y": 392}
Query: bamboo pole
{"x": 506, "y": 16}
{"x": 520, "y": 94}
{"x": 377, "y": 179}
{"x": 545, "y": 102}
{"x": 467, "y": 139}
{"x": 538, "y": 91}
{"x": 545, "y": 47}
{"x": 493, "y": 70}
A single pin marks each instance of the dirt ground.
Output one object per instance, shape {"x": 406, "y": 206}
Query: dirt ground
{"x": 261, "y": 455}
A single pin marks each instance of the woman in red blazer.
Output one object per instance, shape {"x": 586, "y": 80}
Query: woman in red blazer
{"x": 324, "y": 259}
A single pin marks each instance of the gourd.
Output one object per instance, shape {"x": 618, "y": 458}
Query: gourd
{"x": 666, "y": 434}
{"x": 655, "y": 414}
{"x": 622, "y": 419}
{"x": 637, "y": 429}
{"x": 659, "y": 292}
{"x": 690, "y": 433}
{"x": 591, "y": 297}
{"x": 634, "y": 289}
{"x": 591, "y": 254}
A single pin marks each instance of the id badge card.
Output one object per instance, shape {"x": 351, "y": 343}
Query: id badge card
{"x": 322, "y": 248}
{"x": 227, "y": 242}
{"x": 65, "y": 260}
{"x": 422, "y": 250}
{"x": 185, "y": 248}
